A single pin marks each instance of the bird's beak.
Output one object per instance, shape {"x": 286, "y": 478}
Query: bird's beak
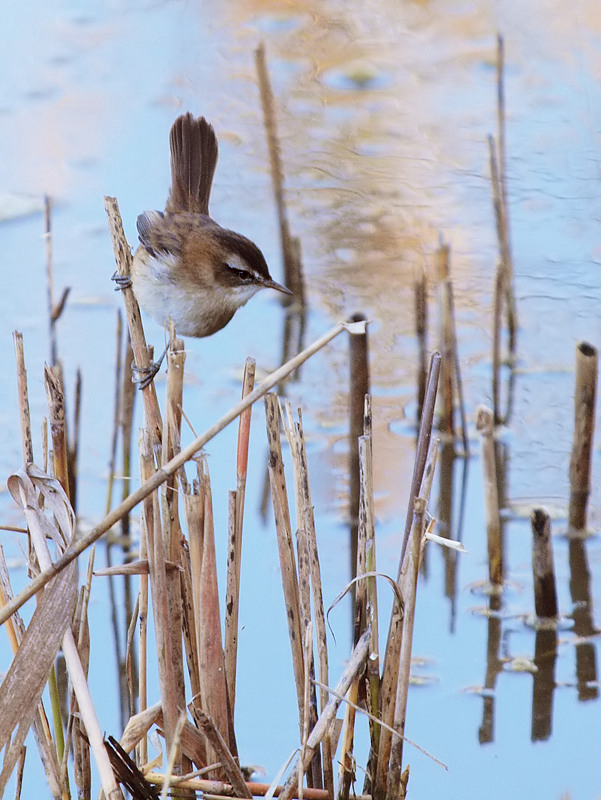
{"x": 269, "y": 284}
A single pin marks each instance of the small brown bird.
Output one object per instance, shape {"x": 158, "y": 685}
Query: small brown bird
{"x": 187, "y": 266}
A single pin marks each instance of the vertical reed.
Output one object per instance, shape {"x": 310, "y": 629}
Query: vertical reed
{"x": 491, "y": 497}
{"x": 545, "y": 594}
{"x": 584, "y": 427}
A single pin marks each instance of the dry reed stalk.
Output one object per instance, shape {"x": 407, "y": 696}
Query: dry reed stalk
{"x": 281, "y": 513}
{"x": 496, "y": 345}
{"x": 409, "y": 591}
{"x": 447, "y": 417}
{"x": 500, "y": 208}
{"x": 545, "y": 593}
{"x": 152, "y": 531}
{"x": 172, "y": 533}
{"x": 584, "y": 428}
{"x": 354, "y": 667}
{"x": 423, "y": 442}
{"x": 364, "y": 616}
{"x": 73, "y": 443}
{"x": 390, "y": 694}
{"x": 484, "y": 424}
{"x": 452, "y": 385}
{"x": 142, "y": 750}
{"x": 501, "y": 117}
{"x": 26, "y": 488}
{"x": 124, "y": 259}
{"x": 218, "y": 745}
{"x": 160, "y": 476}
{"x": 23, "y": 399}
{"x": 309, "y": 578}
{"x": 213, "y": 687}
{"x": 421, "y": 329}
{"x": 358, "y": 388}
{"x": 15, "y": 629}
{"x": 292, "y": 273}
{"x": 58, "y": 424}
{"x": 221, "y": 789}
{"x": 367, "y": 535}
{"x": 234, "y": 553}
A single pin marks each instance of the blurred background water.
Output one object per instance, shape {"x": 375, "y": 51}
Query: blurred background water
{"x": 383, "y": 110}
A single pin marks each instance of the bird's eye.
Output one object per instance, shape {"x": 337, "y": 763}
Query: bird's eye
{"x": 243, "y": 275}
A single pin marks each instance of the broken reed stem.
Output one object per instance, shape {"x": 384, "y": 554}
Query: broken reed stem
{"x": 484, "y": 423}
{"x": 281, "y": 513}
{"x": 234, "y": 551}
{"x": 584, "y": 428}
{"x": 353, "y": 668}
{"x": 292, "y": 276}
{"x": 421, "y": 327}
{"x": 160, "y": 476}
{"x": 123, "y": 258}
{"x": 545, "y": 593}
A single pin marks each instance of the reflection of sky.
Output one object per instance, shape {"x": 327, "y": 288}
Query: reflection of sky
{"x": 373, "y": 175}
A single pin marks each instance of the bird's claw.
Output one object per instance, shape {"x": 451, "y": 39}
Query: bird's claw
{"x": 122, "y": 281}
{"x": 144, "y": 376}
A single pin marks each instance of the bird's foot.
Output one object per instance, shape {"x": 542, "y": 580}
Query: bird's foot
{"x": 122, "y": 281}
{"x": 144, "y": 376}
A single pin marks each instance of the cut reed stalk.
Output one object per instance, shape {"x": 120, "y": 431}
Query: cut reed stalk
{"x": 160, "y": 476}
{"x": 484, "y": 423}
{"x": 584, "y": 428}
{"x": 545, "y": 593}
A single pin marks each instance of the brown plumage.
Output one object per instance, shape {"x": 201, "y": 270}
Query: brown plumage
{"x": 187, "y": 266}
